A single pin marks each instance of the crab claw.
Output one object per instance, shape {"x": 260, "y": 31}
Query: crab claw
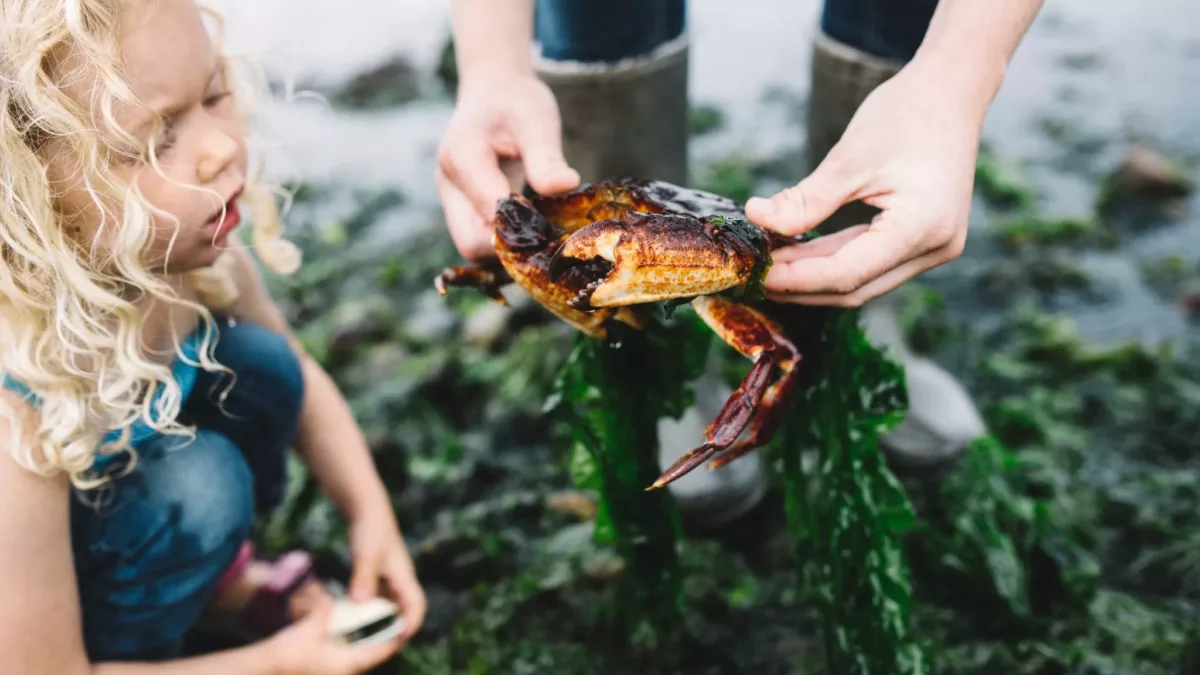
{"x": 655, "y": 257}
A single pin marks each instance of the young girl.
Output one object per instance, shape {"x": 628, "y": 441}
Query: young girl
{"x": 151, "y": 387}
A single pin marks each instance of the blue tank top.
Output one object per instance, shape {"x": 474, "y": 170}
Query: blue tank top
{"x": 184, "y": 373}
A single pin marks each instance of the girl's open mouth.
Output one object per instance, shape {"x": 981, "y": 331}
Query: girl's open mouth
{"x": 223, "y": 222}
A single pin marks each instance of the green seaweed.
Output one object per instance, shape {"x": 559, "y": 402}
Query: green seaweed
{"x": 1091, "y": 468}
{"x": 611, "y": 394}
{"x": 1001, "y": 184}
{"x": 852, "y": 525}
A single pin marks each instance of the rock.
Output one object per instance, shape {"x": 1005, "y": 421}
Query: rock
{"x": 386, "y": 357}
{"x": 517, "y": 297}
{"x": 378, "y": 371}
{"x": 1189, "y": 303}
{"x": 391, "y": 83}
{"x": 486, "y": 324}
{"x": 1149, "y": 173}
{"x": 574, "y": 546}
{"x": 573, "y": 503}
{"x": 447, "y": 69}
{"x": 431, "y": 319}
{"x": 359, "y": 322}
{"x": 603, "y": 568}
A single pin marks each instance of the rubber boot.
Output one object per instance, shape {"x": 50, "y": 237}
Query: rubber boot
{"x": 624, "y": 119}
{"x": 942, "y": 418}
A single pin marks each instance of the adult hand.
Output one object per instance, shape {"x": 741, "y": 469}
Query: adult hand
{"x": 377, "y": 552}
{"x": 498, "y": 115}
{"x": 910, "y": 150}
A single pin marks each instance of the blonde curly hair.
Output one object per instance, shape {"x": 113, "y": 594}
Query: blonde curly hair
{"x": 70, "y": 327}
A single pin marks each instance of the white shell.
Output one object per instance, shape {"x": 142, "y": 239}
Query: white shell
{"x": 349, "y": 616}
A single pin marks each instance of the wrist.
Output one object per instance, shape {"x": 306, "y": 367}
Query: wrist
{"x": 368, "y": 503}
{"x": 492, "y": 38}
{"x": 968, "y": 45}
{"x": 487, "y": 75}
{"x": 969, "y": 80}
{"x": 270, "y": 657}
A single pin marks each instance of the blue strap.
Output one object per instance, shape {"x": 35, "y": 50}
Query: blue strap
{"x": 185, "y": 374}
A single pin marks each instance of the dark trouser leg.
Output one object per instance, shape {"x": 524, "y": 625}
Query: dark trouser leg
{"x": 148, "y": 557}
{"x": 150, "y": 547}
{"x": 262, "y": 409}
{"x": 618, "y": 69}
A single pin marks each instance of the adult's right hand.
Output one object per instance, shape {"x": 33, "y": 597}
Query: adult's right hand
{"x": 499, "y": 115}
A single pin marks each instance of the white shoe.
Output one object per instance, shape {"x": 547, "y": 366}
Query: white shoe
{"x": 942, "y": 418}
{"x": 709, "y": 497}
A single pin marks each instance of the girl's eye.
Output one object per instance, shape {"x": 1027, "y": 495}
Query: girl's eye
{"x": 167, "y": 140}
{"x": 215, "y": 98}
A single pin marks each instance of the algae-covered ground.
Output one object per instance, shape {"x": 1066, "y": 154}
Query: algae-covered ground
{"x": 1067, "y": 542}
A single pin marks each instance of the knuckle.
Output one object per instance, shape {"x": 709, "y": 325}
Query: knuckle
{"x": 847, "y": 285}
{"x": 943, "y": 232}
{"x": 447, "y": 160}
{"x": 954, "y": 249}
{"x": 853, "y": 301}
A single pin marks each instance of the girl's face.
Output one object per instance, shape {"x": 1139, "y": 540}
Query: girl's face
{"x": 171, "y": 67}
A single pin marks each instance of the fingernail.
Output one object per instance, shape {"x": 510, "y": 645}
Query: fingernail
{"x": 567, "y": 174}
{"x": 765, "y": 205}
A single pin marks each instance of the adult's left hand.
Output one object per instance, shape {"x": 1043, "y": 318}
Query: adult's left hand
{"x": 910, "y": 150}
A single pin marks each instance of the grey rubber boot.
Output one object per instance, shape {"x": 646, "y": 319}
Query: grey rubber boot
{"x": 630, "y": 119}
{"x": 942, "y": 418}
{"x": 624, "y": 119}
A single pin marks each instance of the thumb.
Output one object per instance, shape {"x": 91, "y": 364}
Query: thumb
{"x": 364, "y": 580}
{"x": 807, "y": 204}
{"x": 319, "y": 614}
{"x": 364, "y": 657}
{"x": 538, "y": 132}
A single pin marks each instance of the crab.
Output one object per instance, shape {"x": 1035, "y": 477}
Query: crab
{"x": 607, "y": 251}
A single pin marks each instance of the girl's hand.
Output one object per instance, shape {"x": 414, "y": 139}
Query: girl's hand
{"x": 305, "y": 647}
{"x": 910, "y": 150}
{"x": 500, "y": 114}
{"x": 378, "y": 552}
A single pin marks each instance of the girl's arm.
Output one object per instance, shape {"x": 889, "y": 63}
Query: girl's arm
{"x": 40, "y": 615}
{"x": 333, "y": 447}
{"x": 328, "y": 439}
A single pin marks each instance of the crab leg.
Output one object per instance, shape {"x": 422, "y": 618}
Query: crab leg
{"x": 761, "y": 340}
{"x": 487, "y": 280}
{"x": 770, "y": 412}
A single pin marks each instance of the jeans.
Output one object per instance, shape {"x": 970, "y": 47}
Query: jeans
{"x": 150, "y": 545}
{"x": 610, "y": 30}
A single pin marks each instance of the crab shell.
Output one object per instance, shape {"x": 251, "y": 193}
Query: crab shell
{"x": 655, "y": 257}
{"x": 525, "y": 242}
{"x": 595, "y": 254}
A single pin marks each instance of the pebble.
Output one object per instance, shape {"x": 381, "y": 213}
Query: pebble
{"x": 431, "y": 319}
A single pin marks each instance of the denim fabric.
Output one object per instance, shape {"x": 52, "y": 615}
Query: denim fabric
{"x": 890, "y": 29}
{"x": 150, "y": 546}
{"x": 610, "y": 30}
{"x": 605, "y": 30}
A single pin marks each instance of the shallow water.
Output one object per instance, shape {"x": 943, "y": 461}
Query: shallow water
{"x": 1101, "y": 69}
